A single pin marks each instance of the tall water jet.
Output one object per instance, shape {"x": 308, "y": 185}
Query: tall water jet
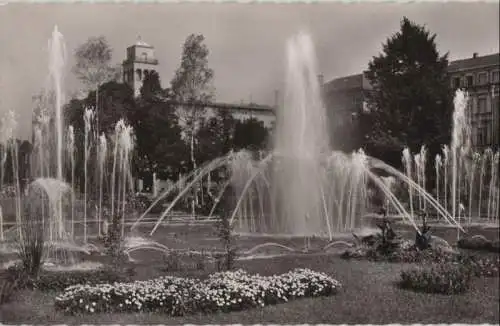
{"x": 446, "y": 164}
{"x": 407, "y": 163}
{"x": 475, "y": 160}
{"x": 492, "y": 193}
{"x": 57, "y": 59}
{"x": 301, "y": 140}
{"x": 438, "y": 163}
{"x": 88, "y": 119}
{"x": 102, "y": 154}
{"x": 458, "y": 138}
{"x": 71, "y": 154}
{"x": 126, "y": 147}
{"x": 423, "y": 166}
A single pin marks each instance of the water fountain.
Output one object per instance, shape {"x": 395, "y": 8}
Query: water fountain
{"x": 301, "y": 188}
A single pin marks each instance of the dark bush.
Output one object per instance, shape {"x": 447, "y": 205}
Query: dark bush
{"x": 479, "y": 243}
{"x": 7, "y": 289}
{"x": 482, "y": 266}
{"x": 449, "y": 278}
{"x": 56, "y": 281}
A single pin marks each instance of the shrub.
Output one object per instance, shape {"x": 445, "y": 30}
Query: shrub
{"x": 7, "y": 289}
{"x": 478, "y": 242}
{"x": 177, "y": 296}
{"x": 31, "y": 246}
{"x": 58, "y": 281}
{"x": 177, "y": 262}
{"x": 449, "y": 278}
{"x": 225, "y": 233}
{"x": 482, "y": 266}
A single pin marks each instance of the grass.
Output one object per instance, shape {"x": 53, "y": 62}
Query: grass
{"x": 369, "y": 295}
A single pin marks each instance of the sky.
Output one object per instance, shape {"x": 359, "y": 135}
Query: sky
{"x": 246, "y": 41}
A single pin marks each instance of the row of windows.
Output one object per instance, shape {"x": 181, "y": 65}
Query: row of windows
{"x": 482, "y": 105}
{"x": 483, "y": 135}
{"x": 481, "y": 78}
{"x": 128, "y": 76}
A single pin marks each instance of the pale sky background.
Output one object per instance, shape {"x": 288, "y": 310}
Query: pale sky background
{"x": 246, "y": 41}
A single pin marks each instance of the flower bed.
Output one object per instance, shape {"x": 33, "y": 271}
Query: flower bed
{"x": 225, "y": 291}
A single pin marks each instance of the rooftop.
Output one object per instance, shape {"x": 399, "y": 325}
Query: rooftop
{"x": 344, "y": 83}
{"x": 475, "y": 62}
{"x": 141, "y": 43}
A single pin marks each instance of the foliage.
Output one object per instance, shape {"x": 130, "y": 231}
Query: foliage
{"x": 447, "y": 278}
{"x": 113, "y": 242}
{"x": 192, "y": 83}
{"x": 478, "y": 243}
{"x": 226, "y": 236}
{"x": 215, "y": 136}
{"x": 250, "y": 134}
{"x": 177, "y": 296}
{"x": 93, "y": 60}
{"x": 7, "y": 289}
{"x": 411, "y": 101}
{"x": 58, "y": 281}
{"x": 160, "y": 147}
{"x": 179, "y": 262}
{"x": 31, "y": 246}
{"x": 116, "y": 101}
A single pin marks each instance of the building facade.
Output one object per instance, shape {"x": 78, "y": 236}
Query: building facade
{"x": 139, "y": 62}
{"x": 345, "y": 99}
{"x": 479, "y": 76}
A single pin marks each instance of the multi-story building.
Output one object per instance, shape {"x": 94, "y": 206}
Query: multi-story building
{"x": 140, "y": 61}
{"x": 344, "y": 99}
{"x": 479, "y": 76}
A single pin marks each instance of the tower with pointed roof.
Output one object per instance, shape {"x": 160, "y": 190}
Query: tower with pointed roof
{"x": 140, "y": 61}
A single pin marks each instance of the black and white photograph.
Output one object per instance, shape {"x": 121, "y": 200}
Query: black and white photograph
{"x": 250, "y": 163}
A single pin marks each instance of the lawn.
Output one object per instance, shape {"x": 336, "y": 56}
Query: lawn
{"x": 369, "y": 295}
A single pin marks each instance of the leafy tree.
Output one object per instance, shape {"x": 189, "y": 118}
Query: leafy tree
{"x": 411, "y": 101}
{"x": 159, "y": 144}
{"x": 151, "y": 86}
{"x": 216, "y": 136}
{"x": 192, "y": 84}
{"x": 93, "y": 65}
{"x": 250, "y": 134}
{"x": 117, "y": 103}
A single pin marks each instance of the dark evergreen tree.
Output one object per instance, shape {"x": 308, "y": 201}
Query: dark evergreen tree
{"x": 411, "y": 103}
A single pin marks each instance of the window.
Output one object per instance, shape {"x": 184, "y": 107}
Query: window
{"x": 471, "y": 104}
{"x": 495, "y": 76}
{"x": 138, "y": 74}
{"x": 145, "y": 56}
{"x": 469, "y": 81}
{"x": 481, "y": 136}
{"x": 481, "y": 105}
{"x": 456, "y": 82}
{"x": 482, "y": 78}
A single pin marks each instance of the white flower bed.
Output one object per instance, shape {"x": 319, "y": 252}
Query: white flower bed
{"x": 225, "y": 291}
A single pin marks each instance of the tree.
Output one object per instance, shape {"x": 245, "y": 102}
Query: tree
{"x": 192, "y": 84}
{"x": 93, "y": 64}
{"x": 159, "y": 144}
{"x": 216, "y": 136}
{"x": 250, "y": 134}
{"x": 117, "y": 103}
{"x": 151, "y": 86}
{"x": 411, "y": 101}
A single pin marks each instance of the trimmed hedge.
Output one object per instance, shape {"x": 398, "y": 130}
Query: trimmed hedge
{"x": 449, "y": 278}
